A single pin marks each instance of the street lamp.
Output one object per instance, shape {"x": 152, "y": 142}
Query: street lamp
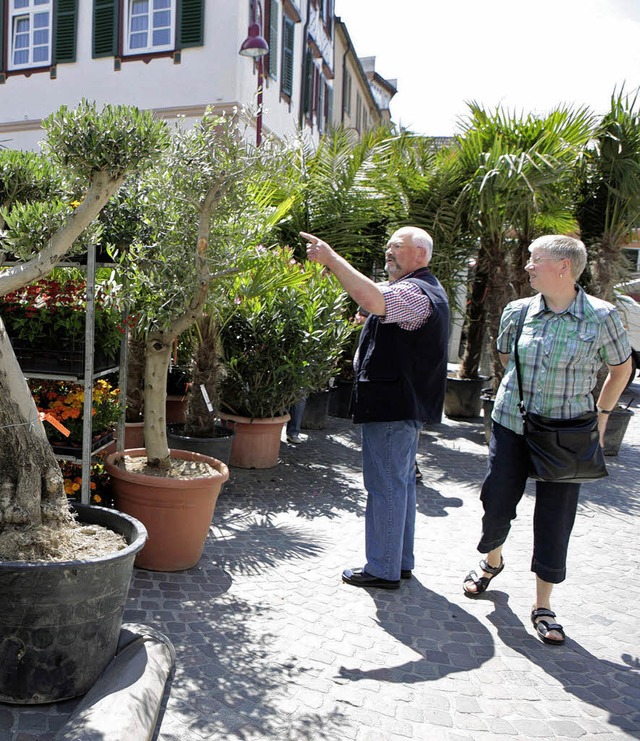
{"x": 256, "y": 47}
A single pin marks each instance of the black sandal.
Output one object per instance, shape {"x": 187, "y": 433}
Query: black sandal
{"x": 482, "y": 582}
{"x": 543, "y": 627}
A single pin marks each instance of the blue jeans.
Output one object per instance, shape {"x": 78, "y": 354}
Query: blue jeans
{"x": 388, "y": 458}
{"x": 296, "y": 412}
{"x": 553, "y": 516}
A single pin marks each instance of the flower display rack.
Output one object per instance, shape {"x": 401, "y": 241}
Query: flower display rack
{"x": 69, "y": 314}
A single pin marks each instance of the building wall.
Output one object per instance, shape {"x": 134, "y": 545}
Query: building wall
{"x": 211, "y": 74}
{"x": 183, "y": 84}
{"x": 354, "y": 104}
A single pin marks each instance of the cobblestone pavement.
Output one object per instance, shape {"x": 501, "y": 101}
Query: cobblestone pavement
{"x": 271, "y": 644}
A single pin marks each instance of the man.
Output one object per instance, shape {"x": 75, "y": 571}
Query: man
{"x": 401, "y": 370}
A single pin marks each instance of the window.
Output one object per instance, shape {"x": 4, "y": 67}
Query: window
{"x": 346, "y": 93}
{"x": 30, "y": 25}
{"x": 138, "y": 27}
{"x": 150, "y": 26}
{"x": 274, "y": 24}
{"x": 288, "y": 36}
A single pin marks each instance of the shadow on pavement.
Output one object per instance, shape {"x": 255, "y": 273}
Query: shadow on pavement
{"x": 583, "y": 675}
{"x": 446, "y": 638}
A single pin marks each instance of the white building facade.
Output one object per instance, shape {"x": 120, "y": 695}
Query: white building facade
{"x": 174, "y": 57}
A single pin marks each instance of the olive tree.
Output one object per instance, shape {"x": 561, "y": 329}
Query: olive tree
{"x": 44, "y": 217}
{"x": 205, "y": 207}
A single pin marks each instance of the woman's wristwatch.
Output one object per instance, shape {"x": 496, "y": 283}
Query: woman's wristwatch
{"x": 604, "y": 411}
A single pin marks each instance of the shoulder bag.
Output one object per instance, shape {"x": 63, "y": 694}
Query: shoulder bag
{"x": 564, "y": 450}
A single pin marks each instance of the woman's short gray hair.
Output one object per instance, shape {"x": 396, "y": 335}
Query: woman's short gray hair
{"x": 560, "y": 247}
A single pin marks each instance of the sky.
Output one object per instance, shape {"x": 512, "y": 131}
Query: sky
{"x": 524, "y": 56}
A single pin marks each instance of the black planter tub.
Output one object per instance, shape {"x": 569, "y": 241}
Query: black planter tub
{"x": 60, "y": 621}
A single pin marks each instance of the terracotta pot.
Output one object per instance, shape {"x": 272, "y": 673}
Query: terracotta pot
{"x": 256, "y": 443}
{"x": 176, "y": 512}
{"x": 133, "y": 437}
{"x": 176, "y": 409}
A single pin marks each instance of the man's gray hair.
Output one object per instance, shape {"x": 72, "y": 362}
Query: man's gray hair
{"x": 560, "y": 247}
{"x": 419, "y": 238}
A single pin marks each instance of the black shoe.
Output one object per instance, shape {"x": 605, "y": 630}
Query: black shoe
{"x": 406, "y": 574}
{"x": 360, "y": 578}
{"x": 418, "y": 472}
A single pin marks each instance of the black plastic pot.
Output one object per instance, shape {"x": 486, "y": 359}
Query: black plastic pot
{"x": 462, "y": 397}
{"x": 616, "y": 427}
{"x": 340, "y": 399}
{"x": 316, "y": 411}
{"x": 60, "y": 622}
{"x": 215, "y": 447}
{"x": 177, "y": 381}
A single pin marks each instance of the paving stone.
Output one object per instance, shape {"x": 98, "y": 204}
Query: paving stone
{"x": 271, "y": 644}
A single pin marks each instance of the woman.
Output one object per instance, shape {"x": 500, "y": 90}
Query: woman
{"x": 566, "y": 337}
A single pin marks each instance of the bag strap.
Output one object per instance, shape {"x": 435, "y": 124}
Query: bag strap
{"x": 523, "y": 316}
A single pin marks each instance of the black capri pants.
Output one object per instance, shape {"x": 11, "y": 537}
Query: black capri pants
{"x": 555, "y": 506}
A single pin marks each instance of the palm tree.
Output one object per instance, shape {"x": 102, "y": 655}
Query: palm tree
{"x": 519, "y": 174}
{"x": 333, "y": 189}
{"x": 609, "y": 200}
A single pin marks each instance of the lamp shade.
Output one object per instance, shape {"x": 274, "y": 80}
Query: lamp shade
{"x": 254, "y": 45}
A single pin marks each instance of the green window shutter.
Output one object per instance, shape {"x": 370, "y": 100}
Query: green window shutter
{"x": 190, "y": 23}
{"x": 66, "y": 29}
{"x": 2, "y": 35}
{"x": 274, "y": 17}
{"x": 288, "y": 35}
{"x": 105, "y": 28}
{"x": 308, "y": 81}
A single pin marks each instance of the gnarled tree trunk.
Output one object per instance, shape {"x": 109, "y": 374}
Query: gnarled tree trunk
{"x": 32, "y": 487}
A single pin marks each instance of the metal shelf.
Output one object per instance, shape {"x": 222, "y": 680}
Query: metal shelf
{"x": 72, "y": 378}
{"x": 89, "y": 376}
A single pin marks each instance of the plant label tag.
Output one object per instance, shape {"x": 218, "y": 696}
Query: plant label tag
{"x": 205, "y": 396}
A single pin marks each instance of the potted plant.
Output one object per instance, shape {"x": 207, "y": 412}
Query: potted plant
{"x": 48, "y": 652}
{"x": 202, "y": 429}
{"x": 278, "y": 346}
{"x": 518, "y": 172}
{"x": 206, "y": 204}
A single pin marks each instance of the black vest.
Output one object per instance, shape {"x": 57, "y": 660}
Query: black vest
{"x": 401, "y": 374}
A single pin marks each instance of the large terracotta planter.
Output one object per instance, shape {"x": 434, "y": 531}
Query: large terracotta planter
{"x": 176, "y": 409}
{"x": 60, "y": 621}
{"x": 256, "y": 443}
{"x": 176, "y": 512}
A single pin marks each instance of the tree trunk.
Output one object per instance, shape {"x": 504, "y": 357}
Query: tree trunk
{"x": 32, "y": 488}
{"x": 199, "y": 420}
{"x": 157, "y": 360}
{"x": 135, "y": 379}
{"x": 475, "y": 325}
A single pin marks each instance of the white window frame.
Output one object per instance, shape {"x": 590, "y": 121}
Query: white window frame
{"x": 149, "y": 48}
{"x": 17, "y": 15}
